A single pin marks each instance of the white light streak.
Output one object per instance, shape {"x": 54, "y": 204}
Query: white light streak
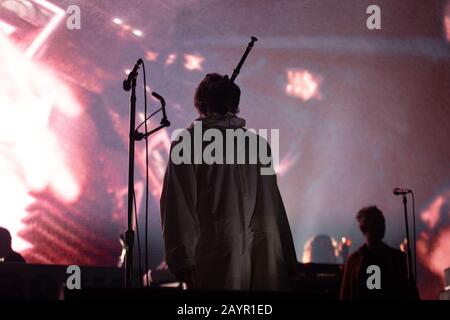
{"x": 48, "y": 29}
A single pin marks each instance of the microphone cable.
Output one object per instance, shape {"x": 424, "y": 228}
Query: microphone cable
{"x": 148, "y": 118}
{"x": 138, "y": 238}
{"x": 146, "y": 176}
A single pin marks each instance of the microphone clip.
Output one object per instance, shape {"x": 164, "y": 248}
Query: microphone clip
{"x": 127, "y": 83}
{"x": 400, "y": 191}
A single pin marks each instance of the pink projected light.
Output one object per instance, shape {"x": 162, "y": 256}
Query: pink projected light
{"x": 151, "y": 55}
{"x": 302, "y": 84}
{"x": 193, "y": 62}
{"x": 171, "y": 59}
{"x": 286, "y": 164}
{"x": 447, "y": 21}
{"x": 31, "y": 155}
{"x": 48, "y": 29}
{"x": 6, "y": 28}
{"x": 432, "y": 245}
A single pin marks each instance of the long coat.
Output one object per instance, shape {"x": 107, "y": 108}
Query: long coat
{"x": 228, "y": 221}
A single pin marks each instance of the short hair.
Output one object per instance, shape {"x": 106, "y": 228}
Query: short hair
{"x": 371, "y": 221}
{"x": 5, "y": 236}
{"x": 217, "y": 94}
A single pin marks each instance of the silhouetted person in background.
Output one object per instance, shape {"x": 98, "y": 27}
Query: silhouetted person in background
{"x": 7, "y": 254}
{"x": 319, "y": 249}
{"x": 391, "y": 263}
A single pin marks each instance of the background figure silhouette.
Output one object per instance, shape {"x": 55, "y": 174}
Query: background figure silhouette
{"x": 319, "y": 249}
{"x": 392, "y": 263}
{"x": 7, "y": 254}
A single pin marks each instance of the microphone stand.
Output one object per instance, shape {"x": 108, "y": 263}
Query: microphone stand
{"x": 408, "y": 251}
{"x": 135, "y": 135}
{"x": 128, "y": 239}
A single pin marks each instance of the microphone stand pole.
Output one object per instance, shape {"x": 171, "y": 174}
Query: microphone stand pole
{"x": 408, "y": 251}
{"x": 130, "y": 84}
{"x": 135, "y": 135}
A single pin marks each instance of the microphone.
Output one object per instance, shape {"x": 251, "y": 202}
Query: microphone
{"x": 160, "y": 98}
{"x": 133, "y": 74}
{"x": 400, "y": 191}
{"x": 164, "y": 120}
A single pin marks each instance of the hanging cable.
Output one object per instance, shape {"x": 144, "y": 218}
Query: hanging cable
{"x": 148, "y": 118}
{"x": 146, "y": 176}
{"x": 138, "y": 238}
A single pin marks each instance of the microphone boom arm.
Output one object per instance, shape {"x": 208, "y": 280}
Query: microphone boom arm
{"x": 164, "y": 121}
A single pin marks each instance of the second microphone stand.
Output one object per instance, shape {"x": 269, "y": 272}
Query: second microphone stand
{"x": 411, "y": 277}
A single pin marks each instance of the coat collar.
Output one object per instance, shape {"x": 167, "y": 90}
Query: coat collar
{"x": 227, "y": 121}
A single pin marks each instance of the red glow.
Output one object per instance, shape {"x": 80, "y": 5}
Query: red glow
{"x": 447, "y": 27}
{"x": 447, "y": 21}
{"x": 151, "y": 55}
{"x": 431, "y": 214}
{"x": 432, "y": 246}
{"x": 31, "y": 154}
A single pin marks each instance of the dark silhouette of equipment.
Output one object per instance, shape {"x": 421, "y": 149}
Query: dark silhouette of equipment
{"x": 241, "y": 62}
{"x": 129, "y": 84}
{"x": 400, "y": 191}
{"x": 412, "y": 272}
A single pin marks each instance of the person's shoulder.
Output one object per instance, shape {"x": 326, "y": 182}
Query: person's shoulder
{"x": 398, "y": 253}
{"x": 356, "y": 255}
{"x": 393, "y": 250}
{"x": 395, "y": 253}
{"x": 15, "y": 257}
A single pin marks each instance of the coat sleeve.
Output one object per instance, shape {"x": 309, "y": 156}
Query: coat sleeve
{"x": 178, "y": 215}
{"x": 287, "y": 242}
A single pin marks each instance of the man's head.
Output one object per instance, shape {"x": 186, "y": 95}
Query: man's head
{"x": 371, "y": 223}
{"x": 5, "y": 242}
{"x": 217, "y": 94}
